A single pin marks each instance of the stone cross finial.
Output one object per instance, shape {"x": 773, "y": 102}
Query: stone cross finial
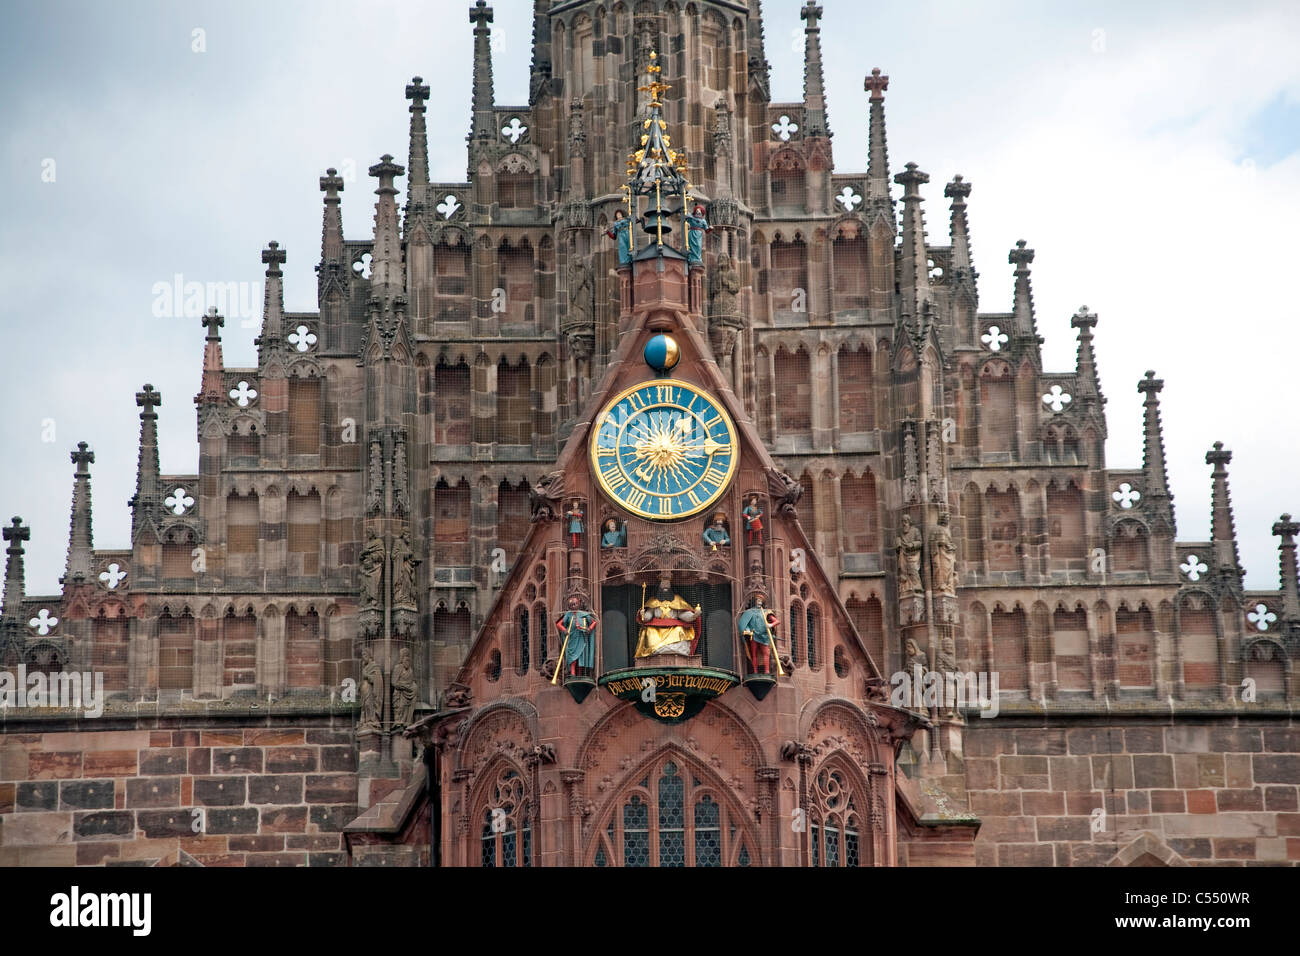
{"x": 213, "y": 323}
{"x": 1217, "y": 456}
{"x": 386, "y": 168}
{"x": 417, "y": 91}
{"x": 876, "y": 84}
{"x": 911, "y": 179}
{"x": 16, "y": 534}
{"x": 83, "y": 457}
{"x": 273, "y": 256}
{"x": 810, "y": 12}
{"x": 1020, "y": 256}
{"x": 957, "y": 189}
{"x": 480, "y": 15}
{"x": 1151, "y": 385}
{"x": 1288, "y": 529}
{"x": 148, "y": 400}
{"x": 1083, "y": 319}
{"x": 331, "y": 184}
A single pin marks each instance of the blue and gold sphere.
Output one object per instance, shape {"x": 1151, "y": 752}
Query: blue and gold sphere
{"x": 662, "y": 353}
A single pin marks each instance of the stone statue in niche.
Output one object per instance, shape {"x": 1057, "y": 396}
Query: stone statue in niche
{"x": 668, "y": 623}
{"x": 716, "y": 535}
{"x": 908, "y": 545}
{"x": 371, "y": 566}
{"x": 753, "y": 515}
{"x": 620, "y": 230}
{"x": 943, "y": 559}
{"x": 403, "y": 681}
{"x": 403, "y": 573}
{"x": 580, "y": 293}
{"x": 757, "y": 626}
{"x": 916, "y": 659}
{"x": 371, "y": 682}
{"x": 577, "y": 627}
{"x": 575, "y": 516}
{"x": 726, "y": 286}
{"x": 614, "y": 534}
{"x": 696, "y": 226}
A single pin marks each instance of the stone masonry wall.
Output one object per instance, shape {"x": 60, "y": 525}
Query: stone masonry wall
{"x": 270, "y": 796}
{"x": 1215, "y": 793}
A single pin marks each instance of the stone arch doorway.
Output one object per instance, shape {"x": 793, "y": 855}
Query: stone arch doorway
{"x": 673, "y": 811}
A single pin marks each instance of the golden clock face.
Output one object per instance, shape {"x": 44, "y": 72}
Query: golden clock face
{"x": 664, "y": 450}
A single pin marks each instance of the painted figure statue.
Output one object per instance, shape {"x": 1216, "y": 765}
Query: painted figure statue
{"x": 614, "y": 535}
{"x": 577, "y": 628}
{"x": 620, "y": 230}
{"x": 716, "y": 533}
{"x": 669, "y": 625}
{"x": 753, "y": 516}
{"x": 696, "y": 227}
{"x": 575, "y": 514}
{"x": 757, "y": 627}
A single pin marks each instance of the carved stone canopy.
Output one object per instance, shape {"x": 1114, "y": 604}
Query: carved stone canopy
{"x": 666, "y": 552}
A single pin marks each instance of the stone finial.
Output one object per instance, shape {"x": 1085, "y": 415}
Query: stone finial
{"x": 148, "y": 399}
{"x": 1153, "y": 458}
{"x": 274, "y": 257}
{"x": 959, "y": 230}
{"x": 213, "y": 323}
{"x": 16, "y": 533}
{"x": 483, "y": 128}
{"x": 914, "y": 272}
{"x": 386, "y": 257}
{"x": 417, "y": 92}
{"x": 814, "y": 84}
{"x": 911, "y": 179}
{"x": 331, "y": 184}
{"x": 1023, "y": 302}
{"x": 877, "y": 147}
{"x": 1223, "y": 532}
{"x": 83, "y": 457}
{"x": 480, "y": 14}
{"x": 80, "y": 541}
{"x": 876, "y": 84}
{"x": 1287, "y": 530}
{"x": 1085, "y": 365}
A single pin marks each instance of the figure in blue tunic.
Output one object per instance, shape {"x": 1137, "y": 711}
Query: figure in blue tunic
{"x": 757, "y": 627}
{"x": 620, "y": 230}
{"x": 696, "y": 227}
{"x": 715, "y": 535}
{"x": 577, "y": 628}
{"x": 614, "y": 535}
{"x": 575, "y": 514}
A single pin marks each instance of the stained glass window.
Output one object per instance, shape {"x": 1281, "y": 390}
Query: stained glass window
{"x": 708, "y": 836}
{"x": 672, "y": 817}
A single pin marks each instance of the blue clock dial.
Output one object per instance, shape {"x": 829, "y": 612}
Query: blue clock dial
{"x": 664, "y": 450}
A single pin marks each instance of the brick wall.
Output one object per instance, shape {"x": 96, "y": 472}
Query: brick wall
{"x": 1215, "y": 793}
{"x": 269, "y": 797}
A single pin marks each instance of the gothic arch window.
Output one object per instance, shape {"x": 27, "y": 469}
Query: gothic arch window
{"x": 524, "y": 643}
{"x": 505, "y": 833}
{"x": 540, "y": 633}
{"x": 794, "y": 383}
{"x": 674, "y": 816}
{"x": 997, "y": 408}
{"x": 813, "y": 631}
{"x": 797, "y": 646}
{"x": 838, "y": 831}
{"x": 514, "y": 418}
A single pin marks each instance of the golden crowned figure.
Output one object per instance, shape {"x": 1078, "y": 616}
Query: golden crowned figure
{"x": 669, "y": 624}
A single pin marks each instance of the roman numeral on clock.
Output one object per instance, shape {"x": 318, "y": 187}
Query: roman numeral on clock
{"x": 636, "y": 499}
{"x": 715, "y": 474}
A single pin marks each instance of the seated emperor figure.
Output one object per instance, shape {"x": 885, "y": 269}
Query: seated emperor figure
{"x": 667, "y": 623}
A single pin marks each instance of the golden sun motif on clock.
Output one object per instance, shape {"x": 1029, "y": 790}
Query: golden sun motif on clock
{"x": 664, "y": 450}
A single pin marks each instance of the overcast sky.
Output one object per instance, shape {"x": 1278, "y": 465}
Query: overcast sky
{"x": 1149, "y": 153}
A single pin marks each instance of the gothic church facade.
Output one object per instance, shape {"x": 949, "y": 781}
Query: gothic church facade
{"x": 347, "y": 637}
